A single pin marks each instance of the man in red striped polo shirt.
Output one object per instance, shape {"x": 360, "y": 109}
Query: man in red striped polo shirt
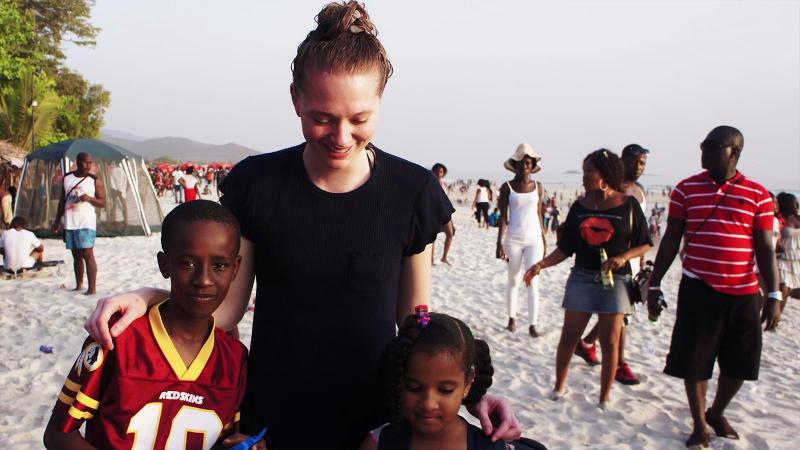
{"x": 725, "y": 220}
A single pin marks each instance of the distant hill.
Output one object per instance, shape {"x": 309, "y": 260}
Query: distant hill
{"x": 181, "y": 149}
{"x": 117, "y": 134}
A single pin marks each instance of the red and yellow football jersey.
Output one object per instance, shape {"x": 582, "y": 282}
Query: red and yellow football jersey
{"x": 141, "y": 395}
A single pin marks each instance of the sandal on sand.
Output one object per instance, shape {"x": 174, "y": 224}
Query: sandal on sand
{"x": 698, "y": 440}
{"x": 721, "y": 426}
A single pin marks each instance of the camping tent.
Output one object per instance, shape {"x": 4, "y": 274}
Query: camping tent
{"x": 131, "y": 204}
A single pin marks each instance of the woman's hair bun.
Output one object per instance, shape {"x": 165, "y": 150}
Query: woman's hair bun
{"x": 344, "y": 41}
{"x": 339, "y": 18}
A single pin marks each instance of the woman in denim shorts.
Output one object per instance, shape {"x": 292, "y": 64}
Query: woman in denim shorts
{"x": 603, "y": 220}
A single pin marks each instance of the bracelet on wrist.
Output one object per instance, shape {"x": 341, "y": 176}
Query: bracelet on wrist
{"x": 775, "y": 295}
{"x": 654, "y": 288}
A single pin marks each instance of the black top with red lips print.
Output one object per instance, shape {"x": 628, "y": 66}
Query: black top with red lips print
{"x": 616, "y": 230}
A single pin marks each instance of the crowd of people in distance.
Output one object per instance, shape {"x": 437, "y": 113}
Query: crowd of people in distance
{"x": 188, "y": 181}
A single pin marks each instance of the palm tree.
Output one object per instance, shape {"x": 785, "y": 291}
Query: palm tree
{"x": 20, "y": 117}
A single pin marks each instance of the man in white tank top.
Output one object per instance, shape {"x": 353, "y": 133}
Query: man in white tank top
{"x": 82, "y": 193}
{"x": 634, "y": 158}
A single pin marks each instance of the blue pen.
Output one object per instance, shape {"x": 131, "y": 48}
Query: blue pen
{"x": 247, "y": 443}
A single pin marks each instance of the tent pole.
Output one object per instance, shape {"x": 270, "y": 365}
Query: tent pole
{"x": 19, "y": 185}
{"x": 48, "y": 181}
{"x": 135, "y": 189}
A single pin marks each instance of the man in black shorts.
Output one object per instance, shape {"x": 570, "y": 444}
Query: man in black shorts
{"x": 725, "y": 220}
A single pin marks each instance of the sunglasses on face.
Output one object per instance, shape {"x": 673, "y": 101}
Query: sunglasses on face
{"x": 713, "y": 146}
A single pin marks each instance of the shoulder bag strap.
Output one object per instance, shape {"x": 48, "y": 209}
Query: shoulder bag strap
{"x": 75, "y": 186}
{"x": 711, "y": 214}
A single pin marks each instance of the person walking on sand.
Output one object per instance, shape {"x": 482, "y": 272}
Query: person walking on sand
{"x": 634, "y": 161}
{"x": 177, "y": 188}
{"x": 337, "y": 232}
{"x": 190, "y": 184}
{"x": 520, "y": 235}
{"x": 725, "y": 221}
{"x": 482, "y": 202}
{"x": 81, "y": 193}
{"x": 448, "y": 229}
{"x": 789, "y": 256}
{"x": 605, "y": 229}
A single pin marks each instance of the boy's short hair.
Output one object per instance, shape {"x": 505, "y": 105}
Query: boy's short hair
{"x": 193, "y": 211}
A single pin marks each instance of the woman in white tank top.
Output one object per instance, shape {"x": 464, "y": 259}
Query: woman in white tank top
{"x": 520, "y": 236}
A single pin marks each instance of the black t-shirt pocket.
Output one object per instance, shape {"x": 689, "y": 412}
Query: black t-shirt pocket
{"x": 365, "y": 271}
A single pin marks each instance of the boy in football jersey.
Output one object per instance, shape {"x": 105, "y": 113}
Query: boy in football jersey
{"x": 176, "y": 381}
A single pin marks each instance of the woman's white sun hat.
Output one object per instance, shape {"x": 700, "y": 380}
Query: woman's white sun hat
{"x": 522, "y": 151}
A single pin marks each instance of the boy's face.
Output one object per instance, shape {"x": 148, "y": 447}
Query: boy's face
{"x": 201, "y": 262}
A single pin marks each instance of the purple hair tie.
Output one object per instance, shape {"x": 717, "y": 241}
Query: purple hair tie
{"x": 423, "y": 318}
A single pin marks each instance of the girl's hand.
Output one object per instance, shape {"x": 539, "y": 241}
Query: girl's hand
{"x": 234, "y": 439}
{"x": 532, "y": 272}
{"x": 613, "y": 263}
{"x": 491, "y": 409}
{"x": 499, "y": 253}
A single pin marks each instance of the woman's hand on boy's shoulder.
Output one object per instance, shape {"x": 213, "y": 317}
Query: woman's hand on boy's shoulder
{"x": 234, "y": 439}
{"x": 130, "y": 305}
{"x": 497, "y": 418}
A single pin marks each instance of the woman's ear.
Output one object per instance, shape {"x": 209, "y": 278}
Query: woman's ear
{"x": 295, "y": 93}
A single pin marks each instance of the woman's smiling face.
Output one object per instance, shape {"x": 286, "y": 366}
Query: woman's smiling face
{"x": 338, "y": 113}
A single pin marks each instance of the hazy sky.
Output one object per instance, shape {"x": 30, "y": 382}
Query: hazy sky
{"x": 475, "y": 78}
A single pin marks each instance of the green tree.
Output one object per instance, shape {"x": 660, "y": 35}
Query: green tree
{"x": 17, "y": 42}
{"x": 29, "y": 108}
{"x": 31, "y": 35}
{"x": 57, "y": 21}
{"x": 84, "y": 105}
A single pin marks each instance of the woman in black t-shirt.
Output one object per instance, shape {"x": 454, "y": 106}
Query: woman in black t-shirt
{"x": 603, "y": 219}
{"x": 338, "y": 234}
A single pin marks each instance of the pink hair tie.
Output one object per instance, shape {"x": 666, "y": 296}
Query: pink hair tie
{"x": 423, "y": 318}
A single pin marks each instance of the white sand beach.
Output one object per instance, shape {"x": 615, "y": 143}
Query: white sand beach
{"x": 652, "y": 415}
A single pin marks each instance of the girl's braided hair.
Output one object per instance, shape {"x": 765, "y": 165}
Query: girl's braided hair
{"x": 442, "y": 333}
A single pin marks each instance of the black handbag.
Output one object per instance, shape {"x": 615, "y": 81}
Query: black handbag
{"x": 638, "y": 284}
